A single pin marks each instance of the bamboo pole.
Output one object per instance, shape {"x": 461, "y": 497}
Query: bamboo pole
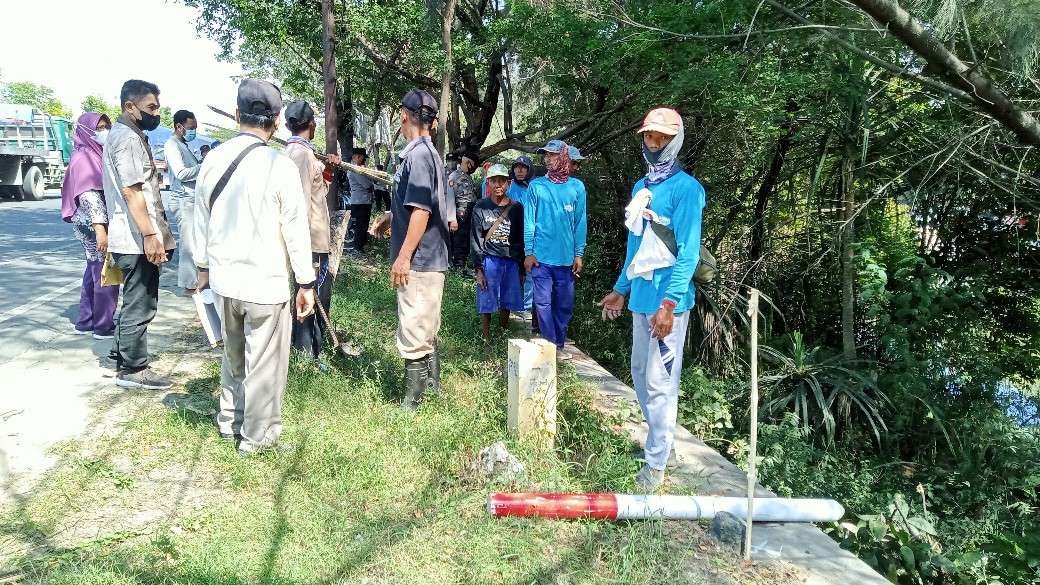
{"x": 753, "y": 447}
{"x": 374, "y": 174}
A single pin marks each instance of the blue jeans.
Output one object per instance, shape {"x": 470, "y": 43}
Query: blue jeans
{"x": 502, "y": 276}
{"x": 528, "y": 294}
{"x": 553, "y": 300}
{"x": 656, "y": 368}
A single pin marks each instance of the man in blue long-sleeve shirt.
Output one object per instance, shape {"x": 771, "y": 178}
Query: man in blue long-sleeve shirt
{"x": 555, "y": 228}
{"x": 657, "y": 278}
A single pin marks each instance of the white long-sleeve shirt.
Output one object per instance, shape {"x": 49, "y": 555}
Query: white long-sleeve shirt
{"x": 182, "y": 166}
{"x": 258, "y": 228}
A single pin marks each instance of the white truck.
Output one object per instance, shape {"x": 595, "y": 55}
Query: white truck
{"x": 34, "y": 150}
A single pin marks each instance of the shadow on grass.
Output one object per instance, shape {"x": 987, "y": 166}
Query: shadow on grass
{"x": 595, "y": 458}
{"x": 38, "y": 538}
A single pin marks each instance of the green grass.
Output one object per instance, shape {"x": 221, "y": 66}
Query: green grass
{"x": 370, "y": 494}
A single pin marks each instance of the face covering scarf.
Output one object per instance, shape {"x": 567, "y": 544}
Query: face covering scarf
{"x": 559, "y": 171}
{"x": 665, "y": 162}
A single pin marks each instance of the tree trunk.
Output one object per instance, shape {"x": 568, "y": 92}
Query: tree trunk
{"x": 328, "y": 25}
{"x": 507, "y": 99}
{"x": 847, "y": 233}
{"x": 345, "y": 134}
{"x": 986, "y": 95}
{"x": 345, "y": 115}
{"x": 769, "y": 183}
{"x": 442, "y": 110}
{"x": 454, "y": 125}
{"x": 480, "y": 115}
{"x": 848, "y": 260}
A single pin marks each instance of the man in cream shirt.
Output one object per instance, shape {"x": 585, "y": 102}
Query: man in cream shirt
{"x": 251, "y": 228}
{"x": 299, "y": 117}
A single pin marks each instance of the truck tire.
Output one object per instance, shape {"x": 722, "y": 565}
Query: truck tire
{"x": 32, "y": 185}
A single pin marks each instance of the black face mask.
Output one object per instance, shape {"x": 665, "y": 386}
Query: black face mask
{"x": 148, "y": 121}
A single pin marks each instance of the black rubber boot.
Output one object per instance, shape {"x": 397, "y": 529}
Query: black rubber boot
{"x": 416, "y": 379}
{"x": 435, "y": 371}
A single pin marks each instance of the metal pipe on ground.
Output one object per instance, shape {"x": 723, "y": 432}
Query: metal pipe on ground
{"x": 605, "y": 506}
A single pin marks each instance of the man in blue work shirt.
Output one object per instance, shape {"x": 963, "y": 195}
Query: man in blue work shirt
{"x": 657, "y": 278}
{"x": 576, "y": 158}
{"x": 520, "y": 176}
{"x": 555, "y": 228}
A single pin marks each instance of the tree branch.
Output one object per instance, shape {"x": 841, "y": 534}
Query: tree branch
{"x": 889, "y": 67}
{"x": 981, "y": 89}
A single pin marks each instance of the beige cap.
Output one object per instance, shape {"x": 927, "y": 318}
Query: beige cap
{"x": 663, "y": 120}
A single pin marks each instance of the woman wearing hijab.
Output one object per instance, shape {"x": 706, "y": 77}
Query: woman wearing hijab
{"x": 83, "y": 205}
{"x": 555, "y": 229}
{"x": 657, "y": 278}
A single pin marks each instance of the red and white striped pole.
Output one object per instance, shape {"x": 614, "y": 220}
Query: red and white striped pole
{"x": 604, "y": 506}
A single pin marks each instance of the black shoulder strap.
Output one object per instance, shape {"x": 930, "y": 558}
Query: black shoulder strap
{"x": 230, "y": 171}
{"x": 501, "y": 217}
{"x": 666, "y": 235}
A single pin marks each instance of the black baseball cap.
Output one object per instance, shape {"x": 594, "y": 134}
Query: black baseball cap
{"x": 298, "y": 114}
{"x": 359, "y": 150}
{"x": 420, "y": 102}
{"x": 259, "y": 98}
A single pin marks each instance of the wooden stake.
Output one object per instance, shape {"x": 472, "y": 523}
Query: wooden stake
{"x": 753, "y": 447}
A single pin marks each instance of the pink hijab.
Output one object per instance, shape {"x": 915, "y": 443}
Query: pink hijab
{"x": 84, "y": 172}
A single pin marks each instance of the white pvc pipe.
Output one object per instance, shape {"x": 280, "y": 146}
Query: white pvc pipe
{"x": 706, "y": 507}
{"x": 606, "y": 506}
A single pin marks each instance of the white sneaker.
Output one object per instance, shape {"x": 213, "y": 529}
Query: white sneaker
{"x": 80, "y": 331}
{"x": 104, "y": 335}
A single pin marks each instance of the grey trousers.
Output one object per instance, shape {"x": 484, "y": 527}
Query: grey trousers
{"x": 254, "y": 371}
{"x": 656, "y": 369}
{"x": 183, "y": 208}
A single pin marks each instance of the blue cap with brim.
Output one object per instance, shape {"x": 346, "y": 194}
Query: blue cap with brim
{"x": 553, "y": 146}
{"x": 574, "y": 153}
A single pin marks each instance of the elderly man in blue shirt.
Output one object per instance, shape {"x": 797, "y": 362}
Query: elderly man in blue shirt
{"x": 664, "y": 240}
{"x": 555, "y": 230}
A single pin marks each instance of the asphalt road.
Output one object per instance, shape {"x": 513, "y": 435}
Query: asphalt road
{"x": 50, "y": 378}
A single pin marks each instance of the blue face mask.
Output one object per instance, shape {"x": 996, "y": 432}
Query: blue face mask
{"x": 190, "y": 135}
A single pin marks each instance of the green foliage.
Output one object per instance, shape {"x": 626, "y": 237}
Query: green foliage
{"x": 900, "y": 544}
{"x": 35, "y": 95}
{"x": 93, "y": 103}
{"x": 705, "y": 404}
{"x": 946, "y": 237}
{"x": 166, "y": 116}
{"x": 821, "y": 390}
